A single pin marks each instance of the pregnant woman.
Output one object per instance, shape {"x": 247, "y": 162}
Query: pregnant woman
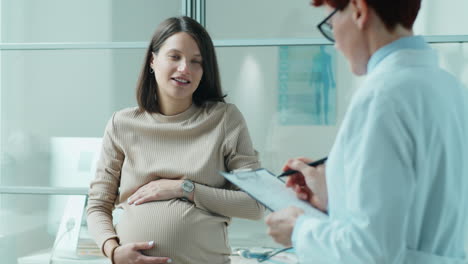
{"x": 159, "y": 161}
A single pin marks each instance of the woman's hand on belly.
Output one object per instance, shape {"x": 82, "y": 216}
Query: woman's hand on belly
{"x": 130, "y": 254}
{"x": 162, "y": 189}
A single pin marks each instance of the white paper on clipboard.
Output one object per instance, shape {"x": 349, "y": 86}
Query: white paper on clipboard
{"x": 270, "y": 191}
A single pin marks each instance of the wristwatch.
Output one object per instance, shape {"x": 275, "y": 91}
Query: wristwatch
{"x": 187, "y": 188}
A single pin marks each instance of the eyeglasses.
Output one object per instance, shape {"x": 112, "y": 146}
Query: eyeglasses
{"x": 326, "y": 27}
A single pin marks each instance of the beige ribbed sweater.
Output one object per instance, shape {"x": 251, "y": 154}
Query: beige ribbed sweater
{"x": 139, "y": 147}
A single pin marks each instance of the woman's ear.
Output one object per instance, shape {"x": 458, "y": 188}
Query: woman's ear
{"x": 360, "y": 14}
{"x": 152, "y": 60}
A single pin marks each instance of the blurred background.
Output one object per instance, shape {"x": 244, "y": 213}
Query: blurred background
{"x": 66, "y": 66}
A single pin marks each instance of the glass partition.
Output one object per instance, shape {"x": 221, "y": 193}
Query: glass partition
{"x": 24, "y": 21}
{"x": 256, "y": 79}
{"x": 52, "y": 119}
{"x": 269, "y": 83}
{"x": 453, "y": 57}
{"x": 278, "y": 19}
{"x": 261, "y": 19}
{"x": 45, "y": 229}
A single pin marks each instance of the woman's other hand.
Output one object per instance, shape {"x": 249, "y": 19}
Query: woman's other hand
{"x": 281, "y": 224}
{"x": 158, "y": 190}
{"x": 130, "y": 254}
{"x": 309, "y": 183}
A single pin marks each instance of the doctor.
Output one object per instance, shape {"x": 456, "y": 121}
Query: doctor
{"x": 395, "y": 186}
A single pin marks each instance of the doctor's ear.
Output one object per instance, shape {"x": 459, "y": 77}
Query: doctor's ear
{"x": 360, "y": 12}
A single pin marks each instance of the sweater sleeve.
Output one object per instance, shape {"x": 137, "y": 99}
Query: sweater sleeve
{"x": 238, "y": 153}
{"x": 103, "y": 190}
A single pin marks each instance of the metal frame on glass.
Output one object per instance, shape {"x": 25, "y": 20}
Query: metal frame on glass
{"x": 195, "y": 9}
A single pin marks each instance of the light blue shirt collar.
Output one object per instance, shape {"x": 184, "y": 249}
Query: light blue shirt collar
{"x": 412, "y": 42}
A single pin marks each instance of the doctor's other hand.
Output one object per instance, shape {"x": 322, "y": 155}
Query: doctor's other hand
{"x": 281, "y": 224}
{"x": 309, "y": 183}
{"x": 158, "y": 190}
{"x": 130, "y": 254}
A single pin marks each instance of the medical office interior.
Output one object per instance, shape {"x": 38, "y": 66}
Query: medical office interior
{"x": 67, "y": 65}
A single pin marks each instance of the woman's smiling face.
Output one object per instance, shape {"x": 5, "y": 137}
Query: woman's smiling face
{"x": 178, "y": 68}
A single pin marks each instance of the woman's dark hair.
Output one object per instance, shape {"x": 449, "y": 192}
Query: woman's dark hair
{"x": 392, "y": 12}
{"x": 209, "y": 88}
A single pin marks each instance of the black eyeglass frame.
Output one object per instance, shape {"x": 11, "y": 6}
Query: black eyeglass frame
{"x": 324, "y": 21}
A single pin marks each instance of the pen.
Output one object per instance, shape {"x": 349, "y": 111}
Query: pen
{"x": 313, "y": 164}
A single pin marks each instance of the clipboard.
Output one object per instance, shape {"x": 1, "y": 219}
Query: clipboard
{"x": 266, "y": 188}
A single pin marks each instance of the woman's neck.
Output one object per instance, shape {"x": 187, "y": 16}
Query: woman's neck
{"x": 174, "y": 107}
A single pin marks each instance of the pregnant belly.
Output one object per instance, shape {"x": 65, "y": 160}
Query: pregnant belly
{"x": 179, "y": 230}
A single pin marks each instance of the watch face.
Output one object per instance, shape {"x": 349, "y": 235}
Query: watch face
{"x": 187, "y": 186}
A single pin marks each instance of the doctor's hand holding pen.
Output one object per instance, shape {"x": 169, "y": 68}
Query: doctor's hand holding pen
{"x": 309, "y": 182}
